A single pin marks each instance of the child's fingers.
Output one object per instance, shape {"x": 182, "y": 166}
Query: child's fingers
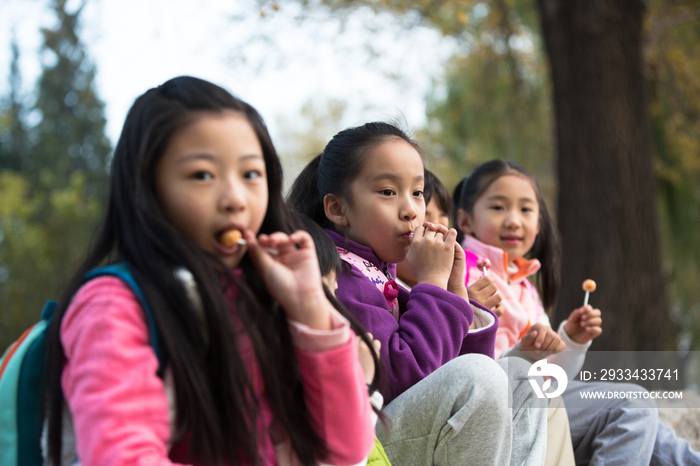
{"x": 419, "y": 232}
{"x": 531, "y": 336}
{"x": 594, "y": 322}
{"x": 377, "y": 346}
{"x": 576, "y": 313}
{"x": 485, "y": 283}
{"x": 451, "y": 235}
{"x": 498, "y": 310}
{"x": 493, "y": 301}
{"x": 302, "y": 240}
{"x": 553, "y": 342}
{"x": 539, "y": 341}
{"x": 560, "y": 346}
{"x": 442, "y": 228}
{"x": 489, "y": 289}
{"x": 546, "y": 341}
{"x": 261, "y": 258}
{"x": 436, "y": 227}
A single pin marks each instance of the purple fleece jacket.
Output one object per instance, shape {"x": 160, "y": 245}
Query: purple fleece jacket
{"x": 433, "y": 328}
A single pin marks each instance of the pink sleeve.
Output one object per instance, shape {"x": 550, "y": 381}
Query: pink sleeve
{"x": 316, "y": 341}
{"x": 336, "y": 394}
{"x": 118, "y": 403}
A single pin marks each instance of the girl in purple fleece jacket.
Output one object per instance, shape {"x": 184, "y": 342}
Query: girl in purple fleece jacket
{"x": 449, "y": 401}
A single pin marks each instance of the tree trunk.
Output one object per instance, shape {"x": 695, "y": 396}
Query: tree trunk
{"x": 606, "y": 196}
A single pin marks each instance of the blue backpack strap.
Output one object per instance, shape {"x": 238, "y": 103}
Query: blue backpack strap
{"x": 122, "y": 272}
{"x": 30, "y": 415}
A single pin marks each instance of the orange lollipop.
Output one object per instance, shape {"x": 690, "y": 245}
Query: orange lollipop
{"x": 230, "y": 238}
{"x": 589, "y": 287}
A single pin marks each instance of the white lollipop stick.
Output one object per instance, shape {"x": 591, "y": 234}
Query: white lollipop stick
{"x": 588, "y": 286}
{"x": 271, "y": 251}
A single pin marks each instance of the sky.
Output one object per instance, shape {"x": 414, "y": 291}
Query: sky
{"x": 276, "y": 62}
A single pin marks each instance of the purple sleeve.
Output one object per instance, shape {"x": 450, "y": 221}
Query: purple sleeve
{"x": 430, "y": 332}
{"x": 482, "y": 341}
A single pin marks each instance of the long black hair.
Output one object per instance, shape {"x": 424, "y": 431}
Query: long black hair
{"x": 215, "y": 401}
{"x": 337, "y": 166}
{"x": 329, "y": 261}
{"x": 546, "y": 248}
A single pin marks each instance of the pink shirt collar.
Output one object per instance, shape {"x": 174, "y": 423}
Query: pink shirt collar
{"x": 499, "y": 259}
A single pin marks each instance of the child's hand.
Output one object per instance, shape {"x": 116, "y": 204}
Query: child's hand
{"x": 541, "y": 338}
{"x": 455, "y": 284}
{"x": 365, "y": 356}
{"x": 431, "y": 255}
{"x": 485, "y": 292}
{"x": 583, "y": 324}
{"x": 292, "y": 275}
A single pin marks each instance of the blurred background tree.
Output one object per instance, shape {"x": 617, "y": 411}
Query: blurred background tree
{"x": 53, "y": 175}
{"x": 599, "y": 101}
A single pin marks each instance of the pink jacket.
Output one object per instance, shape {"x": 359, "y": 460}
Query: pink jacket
{"x": 120, "y": 407}
{"x": 521, "y": 302}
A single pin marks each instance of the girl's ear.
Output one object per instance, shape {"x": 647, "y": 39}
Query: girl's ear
{"x": 335, "y": 209}
{"x": 464, "y": 222}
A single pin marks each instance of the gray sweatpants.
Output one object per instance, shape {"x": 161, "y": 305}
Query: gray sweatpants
{"x": 461, "y": 414}
{"x": 621, "y": 432}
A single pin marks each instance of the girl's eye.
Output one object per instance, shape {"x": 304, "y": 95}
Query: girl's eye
{"x": 527, "y": 209}
{"x": 386, "y": 192}
{"x": 253, "y": 174}
{"x": 496, "y": 207}
{"x": 202, "y": 175}
{"x": 418, "y": 193}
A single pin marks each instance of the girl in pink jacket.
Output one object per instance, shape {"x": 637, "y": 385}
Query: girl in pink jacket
{"x": 502, "y": 217}
{"x": 260, "y": 365}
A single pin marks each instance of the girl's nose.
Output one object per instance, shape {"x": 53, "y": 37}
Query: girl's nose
{"x": 231, "y": 198}
{"x": 409, "y": 210}
{"x": 512, "y": 220}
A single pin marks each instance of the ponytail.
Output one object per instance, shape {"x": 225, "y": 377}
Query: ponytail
{"x": 304, "y": 196}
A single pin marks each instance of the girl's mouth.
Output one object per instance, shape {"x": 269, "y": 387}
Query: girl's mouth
{"x": 408, "y": 236}
{"x": 511, "y": 240}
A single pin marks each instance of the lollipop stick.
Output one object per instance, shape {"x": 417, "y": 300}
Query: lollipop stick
{"x": 585, "y": 298}
{"x": 271, "y": 251}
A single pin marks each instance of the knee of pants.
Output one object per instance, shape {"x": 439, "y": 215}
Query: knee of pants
{"x": 523, "y": 393}
{"x": 479, "y": 380}
{"x": 643, "y": 400}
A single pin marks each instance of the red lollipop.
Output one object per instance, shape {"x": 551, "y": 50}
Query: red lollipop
{"x": 484, "y": 265}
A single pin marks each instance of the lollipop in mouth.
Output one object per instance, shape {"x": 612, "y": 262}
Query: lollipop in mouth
{"x": 230, "y": 238}
{"x": 233, "y": 237}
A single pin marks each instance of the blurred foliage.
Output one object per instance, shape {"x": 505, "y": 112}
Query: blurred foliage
{"x": 496, "y": 103}
{"x": 673, "y": 71}
{"x": 37, "y": 251}
{"x": 53, "y": 176}
{"x": 70, "y": 133}
{"x": 304, "y": 138}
